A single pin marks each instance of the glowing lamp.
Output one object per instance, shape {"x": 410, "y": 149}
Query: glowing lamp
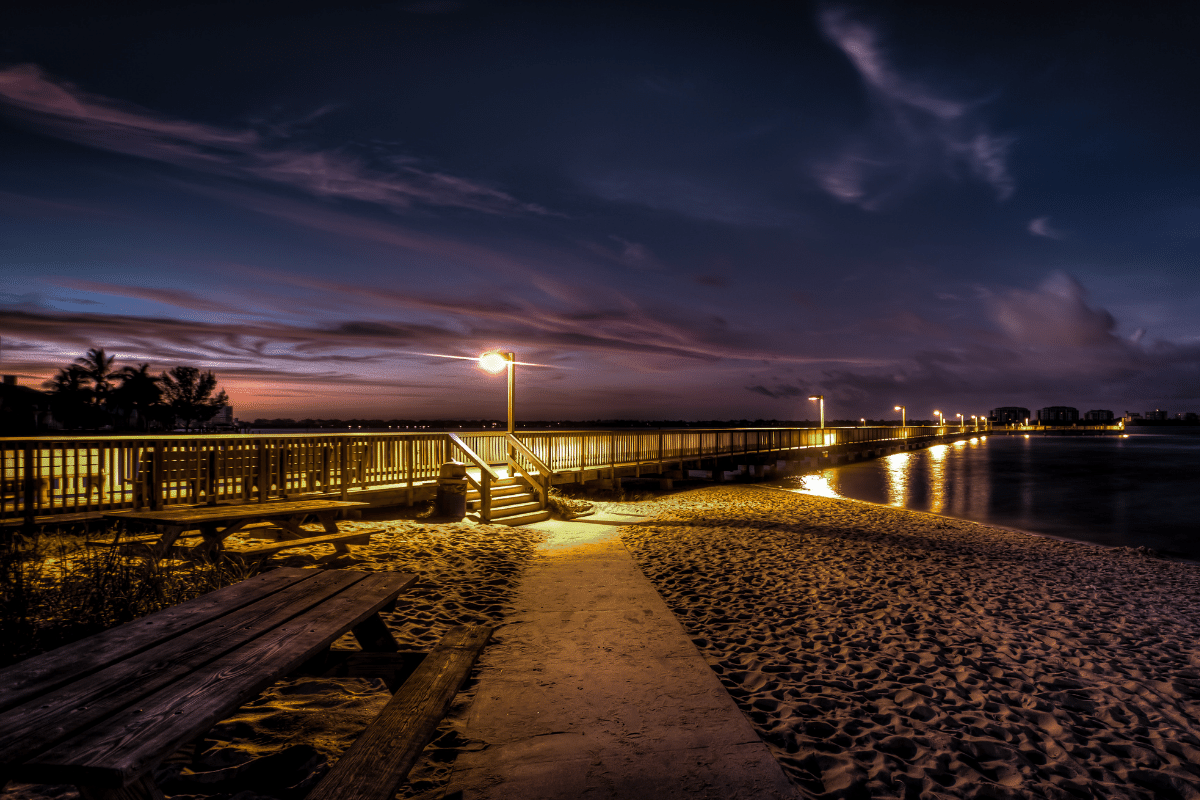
{"x": 493, "y": 362}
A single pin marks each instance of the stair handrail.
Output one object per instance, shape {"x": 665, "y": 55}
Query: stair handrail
{"x": 486, "y": 475}
{"x": 544, "y": 473}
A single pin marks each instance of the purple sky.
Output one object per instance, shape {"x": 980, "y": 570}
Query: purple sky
{"x": 682, "y": 210}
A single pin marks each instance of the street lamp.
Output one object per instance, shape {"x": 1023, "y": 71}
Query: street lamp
{"x": 975, "y": 419}
{"x": 862, "y": 421}
{"x": 496, "y": 362}
{"x": 961, "y": 426}
{"x": 821, "y": 399}
{"x": 903, "y": 418}
{"x": 941, "y": 418}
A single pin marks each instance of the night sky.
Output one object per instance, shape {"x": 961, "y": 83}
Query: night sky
{"x": 688, "y": 211}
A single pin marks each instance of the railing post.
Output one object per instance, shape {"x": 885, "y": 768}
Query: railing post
{"x": 29, "y": 487}
{"x": 612, "y": 457}
{"x": 485, "y": 496}
{"x": 210, "y": 490}
{"x": 345, "y": 466}
{"x": 156, "y": 479}
{"x": 264, "y": 471}
{"x": 408, "y": 456}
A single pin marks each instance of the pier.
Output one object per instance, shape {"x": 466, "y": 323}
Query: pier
{"x": 66, "y": 478}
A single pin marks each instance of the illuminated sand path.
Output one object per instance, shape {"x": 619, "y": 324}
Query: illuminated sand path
{"x": 591, "y": 688}
{"x": 887, "y": 653}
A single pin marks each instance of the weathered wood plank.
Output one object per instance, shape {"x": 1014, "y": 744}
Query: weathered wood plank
{"x": 125, "y": 746}
{"x": 44, "y": 673}
{"x": 381, "y": 757}
{"x": 220, "y": 513}
{"x": 49, "y": 718}
{"x": 344, "y": 538}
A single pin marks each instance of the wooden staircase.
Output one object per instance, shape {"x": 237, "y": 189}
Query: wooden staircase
{"x": 513, "y": 503}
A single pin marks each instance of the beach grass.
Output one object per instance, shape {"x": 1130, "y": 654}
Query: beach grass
{"x": 56, "y": 589}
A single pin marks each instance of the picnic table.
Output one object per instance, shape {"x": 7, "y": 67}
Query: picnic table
{"x": 104, "y": 712}
{"x": 217, "y": 523}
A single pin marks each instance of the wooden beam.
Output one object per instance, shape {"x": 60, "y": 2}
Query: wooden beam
{"x": 380, "y": 759}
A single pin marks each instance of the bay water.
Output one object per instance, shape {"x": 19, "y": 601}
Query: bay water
{"x": 1139, "y": 490}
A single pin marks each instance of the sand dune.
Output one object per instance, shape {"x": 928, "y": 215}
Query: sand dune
{"x": 893, "y": 654}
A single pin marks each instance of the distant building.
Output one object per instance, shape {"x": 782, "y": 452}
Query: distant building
{"x": 1156, "y": 414}
{"x": 23, "y": 410}
{"x": 1058, "y": 415}
{"x": 1099, "y": 415}
{"x": 1008, "y": 415}
{"x": 1190, "y": 416}
{"x": 223, "y": 418}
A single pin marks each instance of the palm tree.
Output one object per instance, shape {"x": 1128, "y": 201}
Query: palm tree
{"x": 71, "y": 397}
{"x": 97, "y": 366}
{"x": 138, "y": 392}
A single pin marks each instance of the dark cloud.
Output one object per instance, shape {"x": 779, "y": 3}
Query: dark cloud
{"x": 62, "y": 109}
{"x": 780, "y": 391}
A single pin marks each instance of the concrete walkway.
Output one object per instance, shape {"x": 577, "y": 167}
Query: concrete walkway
{"x": 592, "y": 689}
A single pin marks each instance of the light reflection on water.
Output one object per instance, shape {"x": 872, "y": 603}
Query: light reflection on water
{"x": 897, "y": 466}
{"x": 1141, "y": 490}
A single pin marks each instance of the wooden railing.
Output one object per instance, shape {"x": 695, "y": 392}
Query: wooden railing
{"x": 60, "y": 475}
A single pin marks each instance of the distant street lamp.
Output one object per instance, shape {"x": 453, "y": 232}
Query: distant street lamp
{"x": 961, "y": 426}
{"x": 941, "y": 418}
{"x": 975, "y": 418}
{"x": 821, "y": 399}
{"x": 862, "y": 421}
{"x": 496, "y": 362}
{"x": 903, "y": 419}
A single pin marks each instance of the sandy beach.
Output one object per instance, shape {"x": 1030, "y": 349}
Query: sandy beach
{"x": 878, "y": 652}
{"x": 280, "y": 744}
{"x": 893, "y": 654}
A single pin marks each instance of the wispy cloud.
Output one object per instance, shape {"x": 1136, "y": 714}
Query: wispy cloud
{"x": 63, "y": 110}
{"x": 917, "y": 132}
{"x": 179, "y": 298}
{"x": 1041, "y": 227}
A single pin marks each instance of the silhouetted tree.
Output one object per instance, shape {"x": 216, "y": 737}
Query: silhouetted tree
{"x": 97, "y": 368}
{"x": 189, "y": 393}
{"x": 72, "y": 398}
{"x": 138, "y": 392}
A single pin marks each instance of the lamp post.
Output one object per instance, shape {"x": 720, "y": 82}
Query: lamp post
{"x": 495, "y": 362}
{"x": 975, "y": 419}
{"x": 903, "y": 419}
{"x": 941, "y": 418}
{"x": 820, "y": 398}
{"x": 862, "y": 421}
{"x": 961, "y": 426}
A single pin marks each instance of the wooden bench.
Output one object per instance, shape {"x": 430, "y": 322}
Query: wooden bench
{"x": 261, "y": 552}
{"x": 103, "y": 712}
{"x": 379, "y": 760}
{"x": 216, "y": 523}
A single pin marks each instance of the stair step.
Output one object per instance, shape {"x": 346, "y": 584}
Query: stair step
{"x": 506, "y": 500}
{"x": 516, "y": 488}
{"x": 515, "y": 509}
{"x": 523, "y": 519}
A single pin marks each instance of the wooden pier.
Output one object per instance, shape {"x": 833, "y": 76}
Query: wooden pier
{"x": 49, "y": 479}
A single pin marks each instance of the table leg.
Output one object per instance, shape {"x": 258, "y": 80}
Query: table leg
{"x": 214, "y": 542}
{"x": 144, "y": 788}
{"x": 170, "y": 534}
{"x": 373, "y": 634}
{"x": 329, "y": 523}
{"x": 291, "y": 527}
